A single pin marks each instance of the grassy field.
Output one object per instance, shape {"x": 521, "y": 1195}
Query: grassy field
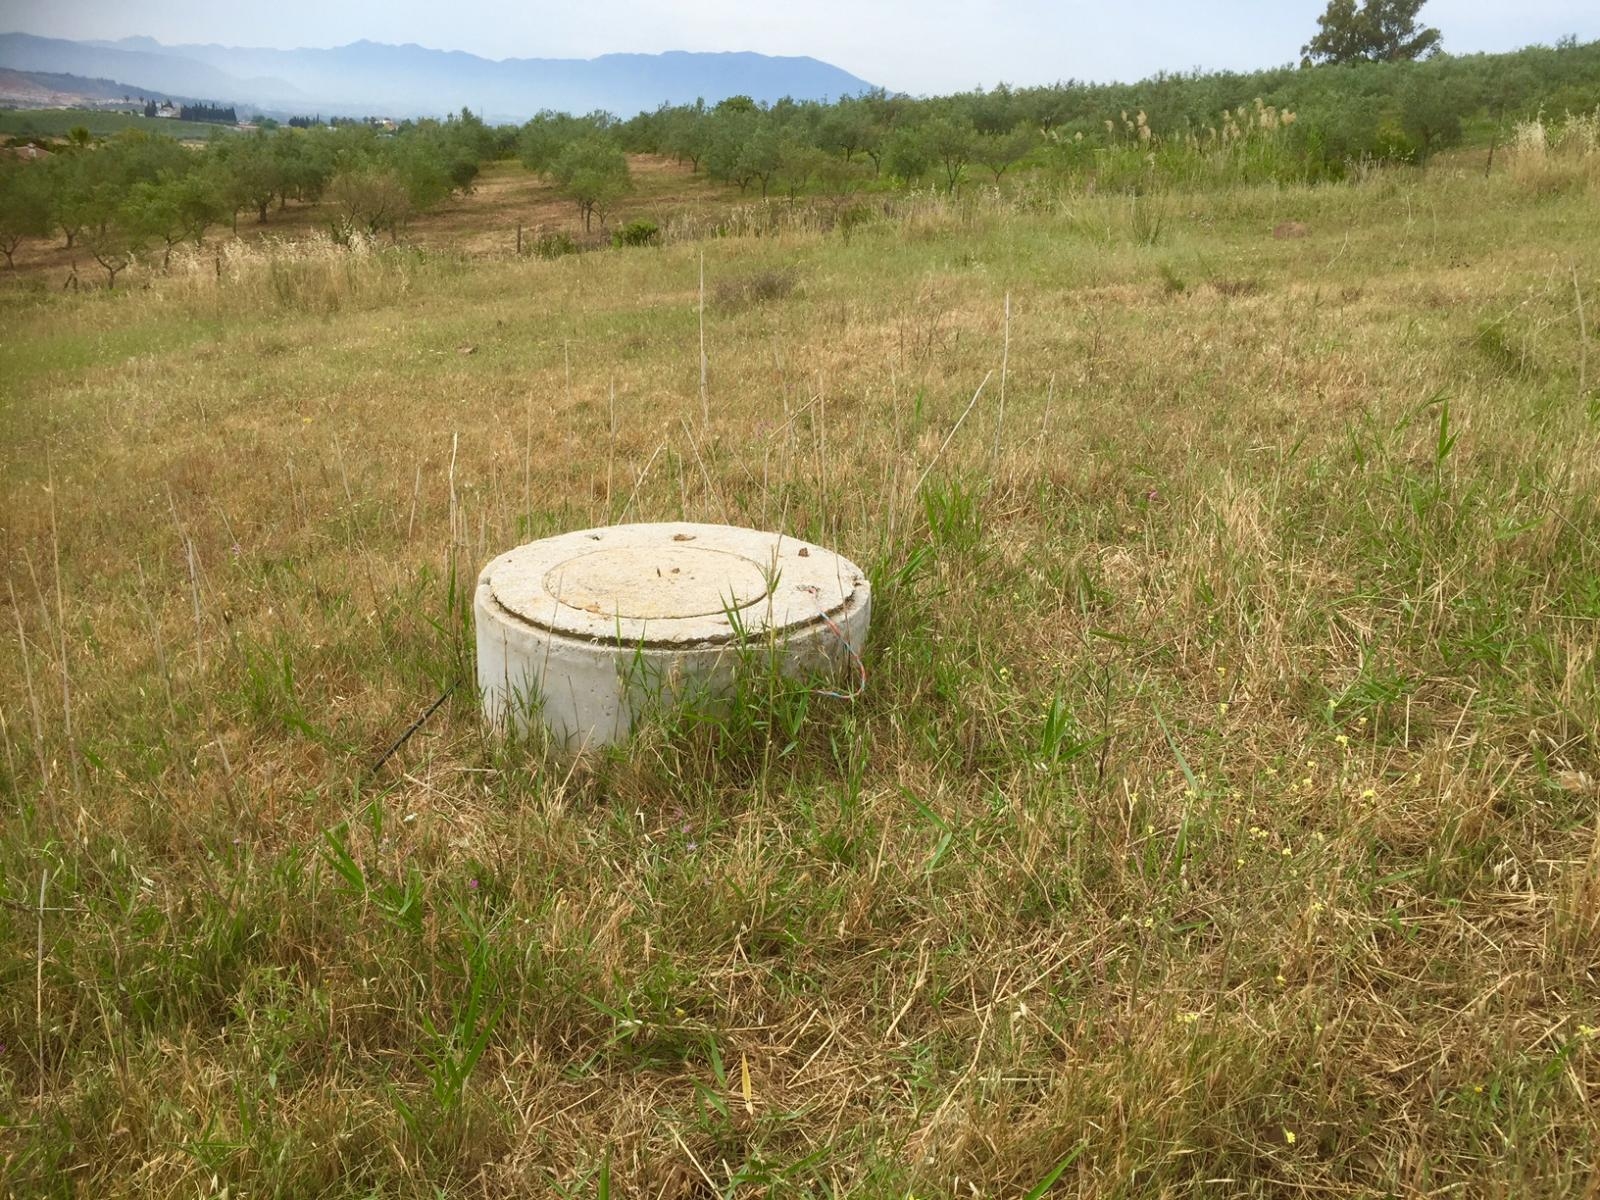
{"x": 1219, "y": 820}
{"x": 55, "y": 122}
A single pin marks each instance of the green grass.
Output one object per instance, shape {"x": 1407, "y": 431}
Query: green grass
{"x": 1219, "y": 818}
{"x": 55, "y": 122}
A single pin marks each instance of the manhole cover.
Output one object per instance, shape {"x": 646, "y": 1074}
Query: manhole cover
{"x": 659, "y": 581}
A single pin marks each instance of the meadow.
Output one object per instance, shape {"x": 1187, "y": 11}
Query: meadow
{"x": 1219, "y": 818}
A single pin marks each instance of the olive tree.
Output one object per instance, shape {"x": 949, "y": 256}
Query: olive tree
{"x": 258, "y": 173}
{"x": 906, "y": 155}
{"x": 367, "y": 200}
{"x": 999, "y": 152}
{"x": 24, "y": 205}
{"x": 116, "y": 234}
{"x": 173, "y": 209}
{"x": 950, "y": 142}
{"x": 593, "y": 173}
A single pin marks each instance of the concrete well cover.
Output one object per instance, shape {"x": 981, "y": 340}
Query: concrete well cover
{"x": 671, "y": 584}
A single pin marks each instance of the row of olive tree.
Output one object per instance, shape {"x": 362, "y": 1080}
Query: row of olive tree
{"x": 1374, "y": 103}
{"x": 141, "y": 192}
{"x": 581, "y": 156}
{"x": 1372, "y": 100}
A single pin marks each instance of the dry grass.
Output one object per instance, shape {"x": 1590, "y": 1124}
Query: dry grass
{"x": 1557, "y": 155}
{"x": 734, "y": 292}
{"x": 1220, "y": 819}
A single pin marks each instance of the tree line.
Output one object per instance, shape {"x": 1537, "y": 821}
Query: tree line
{"x": 215, "y": 114}
{"x": 140, "y": 192}
{"x": 1369, "y": 101}
{"x": 1363, "y": 109}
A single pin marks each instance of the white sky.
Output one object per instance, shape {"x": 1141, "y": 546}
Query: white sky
{"x": 921, "y": 46}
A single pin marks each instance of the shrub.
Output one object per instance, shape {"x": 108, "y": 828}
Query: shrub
{"x": 553, "y": 245}
{"x": 853, "y": 218}
{"x": 760, "y": 287}
{"x": 1551, "y": 157}
{"x": 637, "y": 233}
{"x": 1147, "y": 219}
{"x": 1502, "y": 348}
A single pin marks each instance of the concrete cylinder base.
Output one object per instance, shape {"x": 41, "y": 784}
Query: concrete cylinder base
{"x": 588, "y": 630}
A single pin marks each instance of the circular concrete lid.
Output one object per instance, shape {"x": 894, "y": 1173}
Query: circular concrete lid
{"x": 671, "y": 584}
{"x": 663, "y": 581}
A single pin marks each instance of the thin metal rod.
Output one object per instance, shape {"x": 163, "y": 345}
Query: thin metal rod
{"x": 415, "y": 725}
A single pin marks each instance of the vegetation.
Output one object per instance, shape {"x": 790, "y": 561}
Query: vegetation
{"x": 138, "y": 189}
{"x": 369, "y": 200}
{"x": 25, "y": 206}
{"x": 215, "y": 114}
{"x": 638, "y": 233}
{"x": 1378, "y": 31}
{"x": 1221, "y": 803}
{"x": 1361, "y": 111}
{"x": 54, "y": 122}
{"x": 593, "y": 173}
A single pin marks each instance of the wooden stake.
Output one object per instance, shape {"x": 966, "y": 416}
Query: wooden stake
{"x": 1005, "y": 362}
{"x": 611, "y": 447}
{"x": 1583, "y": 341}
{"x": 61, "y": 631}
{"x": 705, "y": 402}
{"x": 33, "y": 699}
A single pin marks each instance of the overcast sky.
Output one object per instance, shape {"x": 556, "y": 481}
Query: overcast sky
{"x": 920, "y": 46}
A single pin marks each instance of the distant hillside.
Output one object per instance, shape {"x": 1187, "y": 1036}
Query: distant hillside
{"x": 372, "y": 77}
{"x": 45, "y": 88}
{"x": 164, "y": 72}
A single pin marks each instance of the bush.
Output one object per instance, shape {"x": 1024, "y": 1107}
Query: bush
{"x": 760, "y": 287}
{"x": 554, "y": 245}
{"x": 637, "y": 233}
{"x": 853, "y": 218}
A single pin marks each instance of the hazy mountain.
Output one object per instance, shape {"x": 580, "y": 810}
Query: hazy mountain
{"x": 372, "y": 77}
{"x": 139, "y": 68}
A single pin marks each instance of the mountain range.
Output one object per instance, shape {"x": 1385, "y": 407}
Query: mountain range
{"x": 370, "y": 78}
